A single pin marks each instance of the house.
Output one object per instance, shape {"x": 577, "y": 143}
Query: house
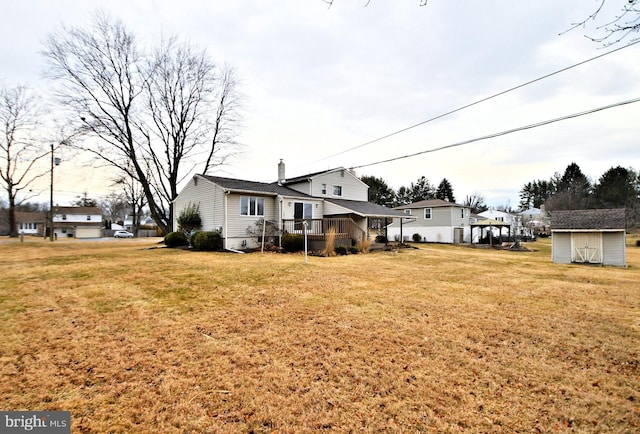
{"x": 508, "y": 221}
{"x": 589, "y": 236}
{"x": 333, "y": 198}
{"x": 434, "y": 220}
{"x": 77, "y": 222}
{"x": 31, "y": 223}
{"x": 534, "y": 221}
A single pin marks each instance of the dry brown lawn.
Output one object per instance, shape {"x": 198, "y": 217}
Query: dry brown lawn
{"x": 437, "y": 339}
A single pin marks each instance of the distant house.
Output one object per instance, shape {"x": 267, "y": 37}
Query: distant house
{"x": 77, "y": 222}
{"x": 334, "y": 198}
{"x": 435, "y": 220}
{"x": 591, "y": 236}
{"x": 534, "y": 221}
{"x": 31, "y": 223}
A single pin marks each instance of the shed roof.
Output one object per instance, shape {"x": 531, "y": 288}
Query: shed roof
{"x": 589, "y": 219}
{"x": 366, "y": 209}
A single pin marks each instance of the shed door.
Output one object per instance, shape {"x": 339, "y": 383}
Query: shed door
{"x": 586, "y": 247}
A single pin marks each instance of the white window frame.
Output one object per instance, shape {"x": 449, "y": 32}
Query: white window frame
{"x": 430, "y": 213}
{"x": 407, "y": 211}
{"x": 337, "y": 188}
{"x": 324, "y": 189}
{"x": 258, "y": 206}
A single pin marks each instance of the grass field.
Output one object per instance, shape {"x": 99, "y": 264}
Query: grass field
{"x": 131, "y": 338}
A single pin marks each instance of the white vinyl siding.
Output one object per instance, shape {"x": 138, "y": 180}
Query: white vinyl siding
{"x": 614, "y": 249}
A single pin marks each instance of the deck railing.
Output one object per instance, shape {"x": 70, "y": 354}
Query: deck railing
{"x": 318, "y": 229}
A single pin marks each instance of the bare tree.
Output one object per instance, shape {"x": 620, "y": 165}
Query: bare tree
{"x": 476, "y": 202}
{"x": 612, "y": 26}
{"x": 20, "y": 151}
{"x": 193, "y": 106}
{"x": 151, "y": 113}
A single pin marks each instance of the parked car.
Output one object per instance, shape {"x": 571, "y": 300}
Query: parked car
{"x": 122, "y": 234}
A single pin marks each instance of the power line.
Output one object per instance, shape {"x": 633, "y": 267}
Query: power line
{"x": 476, "y": 102}
{"x": 503, "y": 133}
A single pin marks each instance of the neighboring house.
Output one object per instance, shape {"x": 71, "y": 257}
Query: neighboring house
{"x": 330, "y": 199}
{"x": 77, "y": 222}
{"x": 435, "y": 220}
{"x": 592, "y": 236}
{"x": 534, "y": 221}
{"x": 31, "y": 223}
{"x": 512, "y": 220}
{"x": 500, "y": 216}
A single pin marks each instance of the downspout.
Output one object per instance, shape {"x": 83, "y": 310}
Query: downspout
{"x": 224, "y": 221}
{"x": 280, "y": 223}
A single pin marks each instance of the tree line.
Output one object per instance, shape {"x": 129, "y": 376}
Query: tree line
{"x": 617, "y": 187}
{"x": 421, "y": 189}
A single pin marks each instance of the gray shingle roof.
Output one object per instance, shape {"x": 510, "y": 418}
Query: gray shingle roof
{"x": 255, "y": 187}
{"x": 367, "y": 209}
{"x": 589, "y": 219}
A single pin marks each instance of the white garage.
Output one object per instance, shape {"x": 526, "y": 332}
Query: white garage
{"x": 594, "y": 236}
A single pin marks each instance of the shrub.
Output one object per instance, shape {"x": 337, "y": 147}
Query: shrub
{"x": 417, "y": 237}
{"x": 189, "y": 218}
{"x": 637, "y": 243}
{"x": 353, "y": 250}
{"x": 293, "y": 242}
{"x": 175, "y": 239}
{"x": 381, "y": 239}
{"x": 341, "y": 250}
{"x": 207, "y": 241}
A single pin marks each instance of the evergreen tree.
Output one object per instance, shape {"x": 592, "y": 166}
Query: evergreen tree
{"x": 617, "y": 187}
{"x": 445, "y": 191}
{"x": 379, "y": 191}
{"x": 421, "y": 190}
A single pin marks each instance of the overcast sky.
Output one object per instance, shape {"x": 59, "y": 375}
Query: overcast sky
{"x": 319, "y": 81}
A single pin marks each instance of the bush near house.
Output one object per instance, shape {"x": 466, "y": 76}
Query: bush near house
{"x": 293, "y": 242}
{"x": 417, "y": 237}
{"x": 175, "y": 239}
{"x": 207, "y": 241}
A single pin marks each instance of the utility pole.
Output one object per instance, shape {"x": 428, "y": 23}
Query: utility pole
{"x": 54, "y": 162}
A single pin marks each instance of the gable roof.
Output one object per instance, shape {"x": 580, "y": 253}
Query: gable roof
{"x": 366, "y": 209}
{"x": 589, "y": 219}
{"x": 30, "y": 217}
{"x": 430, "y": 203}
{"x": 78, "y": 210}
{"x": 308, "y": 176}
{"x": 242, "y": 186}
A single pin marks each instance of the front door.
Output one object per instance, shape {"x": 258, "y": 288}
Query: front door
{"x": 586, "y": 247}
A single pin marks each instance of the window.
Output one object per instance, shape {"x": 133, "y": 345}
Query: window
{"x": 88, "y": 218}
{"x": 324, "y": 188}
{"x": 302, "y": 210}
{"x": 337, "y": 190}
{"x": 427, "y": 213}
{"x": 461, "y": 213}
{"x": 64, "y": 216}
{"x": 407, "y": 211}
{"x": 251, "y": 206}
{"x": 500, "y": 219}
{"x": 21, "y": 226}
